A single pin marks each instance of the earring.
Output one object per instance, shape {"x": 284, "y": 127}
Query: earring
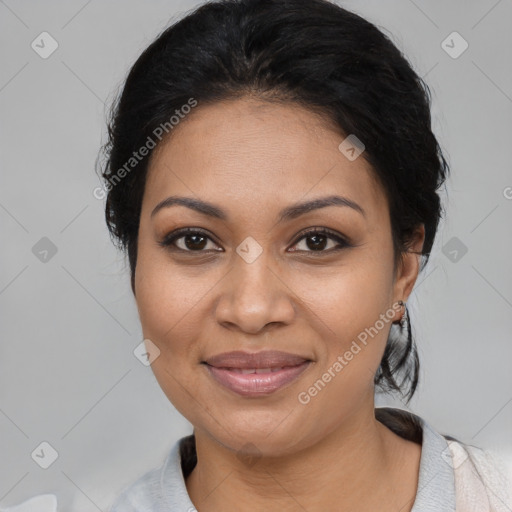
{"x": 401, "y": 322}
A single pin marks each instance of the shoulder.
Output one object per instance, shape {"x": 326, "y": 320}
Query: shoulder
{"x": 475, "y": 479}
{"x": 483, "y": 479}
{"x": 141, "y": 495}
{"x": 163, "y": 488}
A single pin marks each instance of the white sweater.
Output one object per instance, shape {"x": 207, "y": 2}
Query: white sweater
{"x": 483, "y": 481}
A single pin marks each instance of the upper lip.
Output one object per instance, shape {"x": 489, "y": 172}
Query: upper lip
{"x": 263, "y": 359}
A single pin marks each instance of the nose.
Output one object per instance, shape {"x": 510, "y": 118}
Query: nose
{"x": 254, "y": 297}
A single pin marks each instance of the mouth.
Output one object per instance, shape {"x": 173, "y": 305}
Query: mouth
{"x": 256, "y": 374}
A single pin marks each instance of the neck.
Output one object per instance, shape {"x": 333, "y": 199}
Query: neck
{"x": 361, "y": 465}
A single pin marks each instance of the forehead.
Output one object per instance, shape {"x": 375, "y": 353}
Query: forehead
{"x": 251, "y": 152}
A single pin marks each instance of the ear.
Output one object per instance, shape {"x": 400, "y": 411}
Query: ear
{"x": 409, "y": 266}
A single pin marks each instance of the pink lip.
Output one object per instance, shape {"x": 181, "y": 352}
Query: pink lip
{"x": 227, "y": 369}
{"x": 262, "y": 359}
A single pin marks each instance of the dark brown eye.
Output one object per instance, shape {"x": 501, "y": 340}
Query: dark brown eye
{"x": 316, "y": 240}
{"x": 194, "y": 242}
{"x": 188, "y": 240}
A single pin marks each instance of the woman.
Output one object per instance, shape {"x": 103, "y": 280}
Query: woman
{"x": 273, "y": 177}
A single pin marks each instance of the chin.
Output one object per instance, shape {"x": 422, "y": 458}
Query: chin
{"x": 268, "y": 434}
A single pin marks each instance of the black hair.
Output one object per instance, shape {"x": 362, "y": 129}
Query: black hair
{"x": 315, "y": 54}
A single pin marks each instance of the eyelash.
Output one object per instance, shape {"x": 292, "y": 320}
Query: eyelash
{"x": 168, "y": 240}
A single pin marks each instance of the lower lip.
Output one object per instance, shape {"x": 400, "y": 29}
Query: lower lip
{"x": 256, "y": 384}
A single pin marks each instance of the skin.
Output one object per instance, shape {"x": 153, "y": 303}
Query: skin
{"x": 252, "y": 159}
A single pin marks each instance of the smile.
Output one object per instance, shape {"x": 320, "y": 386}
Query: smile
{"x": 253, "y": 382}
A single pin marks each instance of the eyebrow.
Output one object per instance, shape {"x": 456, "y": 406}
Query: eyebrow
{"x": 289, "y": 213}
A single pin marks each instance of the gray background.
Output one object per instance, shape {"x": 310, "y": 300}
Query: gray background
{"x": 69, "y": 325}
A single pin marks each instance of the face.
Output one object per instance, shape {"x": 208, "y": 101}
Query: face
{"x": 252, "y": 279}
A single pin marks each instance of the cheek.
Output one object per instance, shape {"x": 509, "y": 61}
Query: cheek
{"x": 169, "y": 308}
{"x": 354, "y": 339}
{"x": 167, "y": 297}
{"x": 172, "y": 302}
{"x": 346, "y": 299}
{"x": 345, "y": 309}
